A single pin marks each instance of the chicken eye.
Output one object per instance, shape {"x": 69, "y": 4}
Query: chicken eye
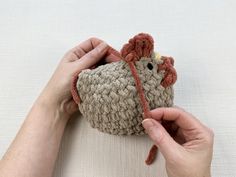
{"x": 149, "y": 65}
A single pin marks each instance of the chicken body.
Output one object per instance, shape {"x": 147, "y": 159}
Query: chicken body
{"x": 109, "y": 99}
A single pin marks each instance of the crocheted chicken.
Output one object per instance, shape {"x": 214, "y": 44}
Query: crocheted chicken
{"x": 114, "y": 96}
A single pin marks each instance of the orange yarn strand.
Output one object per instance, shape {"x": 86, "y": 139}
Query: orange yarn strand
{"x": 146, "y": 110}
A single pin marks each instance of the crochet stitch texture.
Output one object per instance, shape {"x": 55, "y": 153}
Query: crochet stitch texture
{"x": 109, "y": 99}
{"x": 108, "y": 96}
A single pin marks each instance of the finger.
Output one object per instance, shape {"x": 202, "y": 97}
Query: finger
{"x": 92, "y": 57}
{"x": 79, "y": 52}
{"x": 88, "y": 45}
{"x": 112, "y": 58}
{"x": 182, "y": 119}
{"x": 85, "y": 47}
{"x": 175, "y": 106}
{"x": 112, "y": 55}
{"x": 168, "y": 147}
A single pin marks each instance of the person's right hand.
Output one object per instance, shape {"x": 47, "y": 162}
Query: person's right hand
{"x": 189, "y": 152}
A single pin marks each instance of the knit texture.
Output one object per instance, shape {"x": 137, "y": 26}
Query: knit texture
{"x": 109, "y": 98}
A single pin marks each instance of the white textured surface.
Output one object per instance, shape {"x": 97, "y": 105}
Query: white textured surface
{"x": 200, "y": 35}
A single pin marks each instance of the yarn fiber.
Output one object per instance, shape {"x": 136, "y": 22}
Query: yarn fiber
{"x": 109, "y": 99}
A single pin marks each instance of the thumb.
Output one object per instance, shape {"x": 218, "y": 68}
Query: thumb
{"x": 168, "y": 147}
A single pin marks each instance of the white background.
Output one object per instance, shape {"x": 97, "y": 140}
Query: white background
{"x": 200, "y": 35}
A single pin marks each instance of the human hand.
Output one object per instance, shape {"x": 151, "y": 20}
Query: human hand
{"x": 56, "y": 94}
{"x": 189, "y": 152}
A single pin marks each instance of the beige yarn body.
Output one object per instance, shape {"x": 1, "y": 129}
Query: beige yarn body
{"x": 109, "y": 99}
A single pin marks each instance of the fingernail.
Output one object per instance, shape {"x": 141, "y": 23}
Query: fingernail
{"x": 103, "y": 46}
{"x": 148, "y": 123}
{"x": 151, "y": 129}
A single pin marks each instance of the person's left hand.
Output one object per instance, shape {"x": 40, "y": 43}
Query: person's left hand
{"x": 56, "y": 94}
